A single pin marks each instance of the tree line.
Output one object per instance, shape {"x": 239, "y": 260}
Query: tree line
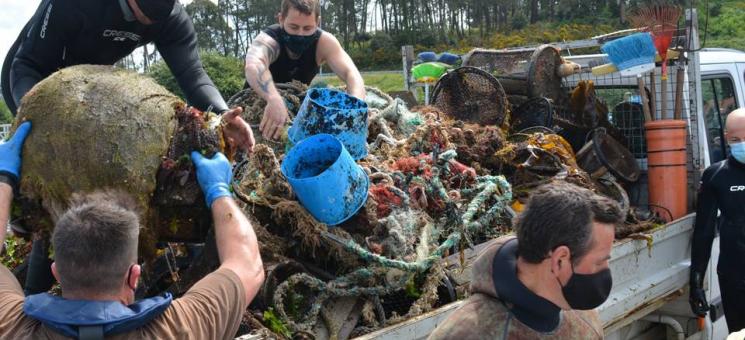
{"x": 227, "y": 28}
{"x": 372, "y": 31}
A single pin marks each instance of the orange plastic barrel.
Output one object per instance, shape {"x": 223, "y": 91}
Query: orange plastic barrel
{"x": 667, "y": 171}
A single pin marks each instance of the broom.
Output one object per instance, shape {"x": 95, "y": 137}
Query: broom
{"x": 633, "y": 55}
{"x": 660, "y": 20}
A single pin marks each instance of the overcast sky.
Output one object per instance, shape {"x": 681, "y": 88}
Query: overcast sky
{"x": 14, "y": 14}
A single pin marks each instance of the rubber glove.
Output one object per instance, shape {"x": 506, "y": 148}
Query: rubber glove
{"x": 697, "y": 297}
{"x": 214, "y": 176}
{"x": 10, "y": 154}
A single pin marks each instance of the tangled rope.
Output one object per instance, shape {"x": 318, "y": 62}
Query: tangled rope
{"x": 351, "y": 284}
{"x": 495, "y": 187}
{"x": 422, "y": 203}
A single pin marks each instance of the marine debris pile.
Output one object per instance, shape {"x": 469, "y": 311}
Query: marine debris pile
{"x": 438, "y": 186}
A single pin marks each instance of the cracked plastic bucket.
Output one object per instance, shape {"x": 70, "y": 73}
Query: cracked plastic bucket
{"x": 336, "y": 113}
{"x": 325, "y": 178}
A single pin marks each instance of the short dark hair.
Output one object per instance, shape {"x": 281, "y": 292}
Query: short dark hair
{"x": 562, "y": 214}
{"x": 95, "y": 241}
{"x": 307, "y": 7}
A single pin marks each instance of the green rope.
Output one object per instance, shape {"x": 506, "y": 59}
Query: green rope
{"x": 492, "y": 188}
{"x": 348, "y": 285}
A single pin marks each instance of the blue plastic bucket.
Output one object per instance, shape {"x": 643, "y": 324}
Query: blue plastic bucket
{"x": 325, "y": 178}
{"x": 335, "y": 113}
{"x": 448, "y": 58}
{"x": 427, "y": 56}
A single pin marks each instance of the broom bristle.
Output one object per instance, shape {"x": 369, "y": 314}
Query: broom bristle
{"x": 656, "y": 18}
{"x": 630, "y": 51}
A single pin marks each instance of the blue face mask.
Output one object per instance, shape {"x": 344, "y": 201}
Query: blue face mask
{"x": 738, "y": 151}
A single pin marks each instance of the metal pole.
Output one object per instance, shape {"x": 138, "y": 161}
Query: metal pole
{"x": 426, "y": 93}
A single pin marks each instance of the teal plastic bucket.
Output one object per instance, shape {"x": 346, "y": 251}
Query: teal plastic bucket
{"x": 336, "y": 113}
{"x": 325, "y": 178}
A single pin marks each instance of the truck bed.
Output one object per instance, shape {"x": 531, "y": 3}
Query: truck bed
{"x": 647, "y": 273}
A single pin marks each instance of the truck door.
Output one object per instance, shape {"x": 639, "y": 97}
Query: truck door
{"x": 741, "y": 75}
{"x": 719, "y": 98}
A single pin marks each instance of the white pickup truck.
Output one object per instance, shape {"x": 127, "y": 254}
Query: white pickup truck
{"x": 649, "y": 299}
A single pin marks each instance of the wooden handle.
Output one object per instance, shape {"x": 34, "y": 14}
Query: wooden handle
{"x": 652, "y": 94}
{"x": 678, "y": 110}
{"x": 604, "y": 69}
{"x": 663, "y": 97}
{"x": 643, "y": 94}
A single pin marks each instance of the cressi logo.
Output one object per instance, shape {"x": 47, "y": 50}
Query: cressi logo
{"x": 43, "y": 30}
{"x": 121, "y": 35}
{"x": 736, "y": 188}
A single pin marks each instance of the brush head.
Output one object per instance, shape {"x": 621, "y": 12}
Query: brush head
{"x": 633, "y": 54}
{"x": 656, "y": 17}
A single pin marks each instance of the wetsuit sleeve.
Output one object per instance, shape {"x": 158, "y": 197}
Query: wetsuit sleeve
{"x": 177, "y": 43}
{"x": 705, "y": 228}
{"x": 42, "y": 51}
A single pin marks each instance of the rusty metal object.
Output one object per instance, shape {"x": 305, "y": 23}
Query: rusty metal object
{"x": 527, "y": 72}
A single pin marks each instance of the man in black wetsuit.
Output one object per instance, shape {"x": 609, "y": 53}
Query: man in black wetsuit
{"x": 722, "y": 188}
{"x": 64, "y": 33}
{"x": 294, "y": 49}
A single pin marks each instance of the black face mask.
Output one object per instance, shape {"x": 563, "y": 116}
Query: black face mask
{"x": 587, "y": 291}
{"x": 299, "y": 43}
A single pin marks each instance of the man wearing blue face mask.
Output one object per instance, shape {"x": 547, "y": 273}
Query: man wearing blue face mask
{"x": 294, "y": 49}
{"x": 722, "y": 188}
{"x": 544, "y": 283}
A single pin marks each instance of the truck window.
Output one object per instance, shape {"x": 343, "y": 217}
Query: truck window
{"x": 719, "y": 100}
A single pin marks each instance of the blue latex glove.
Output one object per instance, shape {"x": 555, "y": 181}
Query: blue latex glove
{"x": 214, "y": 176}
{"x": 10, "y": 154}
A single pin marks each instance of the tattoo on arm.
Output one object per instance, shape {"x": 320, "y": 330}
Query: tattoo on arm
{"x": 264, "y": 78}
{"x": 263, "y": 51}
{"x": 263, "y": 48}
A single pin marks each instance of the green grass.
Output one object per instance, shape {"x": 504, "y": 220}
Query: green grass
{"x": 386, "y": 82}
{"x": 5, "y": 116}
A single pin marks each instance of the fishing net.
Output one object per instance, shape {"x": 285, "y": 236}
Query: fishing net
{"x": 534, "y": 112}
{"x": 531, "y": 72}
{"x": 471, "y": 95}
{"x": 422, "y": 204}
{"x": 253, "y": 108}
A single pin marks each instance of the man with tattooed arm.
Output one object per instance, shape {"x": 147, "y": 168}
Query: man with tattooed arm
{"x": 294, "y": 49}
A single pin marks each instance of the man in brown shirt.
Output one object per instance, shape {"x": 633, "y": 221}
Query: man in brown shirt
{"x": 545, "y": 283}
{"x": 95, "y": 244}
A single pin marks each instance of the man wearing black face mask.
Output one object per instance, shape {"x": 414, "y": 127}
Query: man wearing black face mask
{"x": 544, "y": 283}
{"x": 294, "y": 49}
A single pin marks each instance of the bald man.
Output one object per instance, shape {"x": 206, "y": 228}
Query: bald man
{"x": 722, "y": 188}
